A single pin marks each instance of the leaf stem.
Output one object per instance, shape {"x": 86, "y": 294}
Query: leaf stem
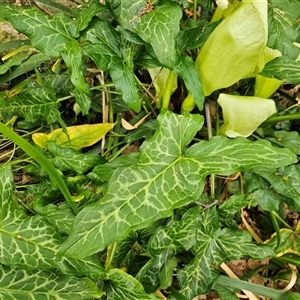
{"x": 110, "y": 255}
{"x": 168, "y": 90}
{"x": 209, "y": 132}
{"x": 277, "y": 119}
{"x": 54, "y": 175}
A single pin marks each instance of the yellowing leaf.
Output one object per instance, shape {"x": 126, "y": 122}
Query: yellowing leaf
{"x": 77, "y": 138}
{"x": 233, "y": 49}
{"x": 242, "y": 115}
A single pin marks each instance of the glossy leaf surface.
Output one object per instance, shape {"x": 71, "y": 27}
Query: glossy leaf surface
{"x": 283, "y": 68}
{"x": 109, "y": 54}
{"x": 157, "y": 25}
{"x": 66, "y": 159}
{"x": 283, "y": 27}
{"x": 30, "y": 242}
{"x": 38, "y": 103}
{"x": 166, "y": 176}
{"x": 123, "y": 286}
{"x": 44, "y": 285}
{"x": 213, "y": 246}
{"x": 47, "y": 34}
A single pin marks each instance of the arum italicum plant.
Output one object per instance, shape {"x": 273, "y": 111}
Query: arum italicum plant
{"x": 236, "y": 50}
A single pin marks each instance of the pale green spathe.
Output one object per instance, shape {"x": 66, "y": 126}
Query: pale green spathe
{"x": 232, "y": 51}
{"x": 242, "y": 115}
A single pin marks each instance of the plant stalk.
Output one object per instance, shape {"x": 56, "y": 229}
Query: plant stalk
{"x": 43, "y": 162}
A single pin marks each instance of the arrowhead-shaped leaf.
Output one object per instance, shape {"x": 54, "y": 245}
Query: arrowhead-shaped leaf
{"x": 33, "y": 104}
{"x": 213, "y": 246}
{"x": 43, "y": 285}
{"x": 47, "y": 34}
{"x": 29, "y": 242}
{"x": 166, "y": 176}
{"x": 157, "y": 25}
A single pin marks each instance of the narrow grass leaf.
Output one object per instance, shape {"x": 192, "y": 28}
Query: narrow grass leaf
{"x": 166, "y": 176}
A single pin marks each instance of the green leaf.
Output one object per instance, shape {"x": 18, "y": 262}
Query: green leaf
{"x": 284, "y": 181}
{"x": 83, "y": 99}
{"x": 290, "y": 242}
{"x": 102, "y": 173}
{"x": 195, "y": 37}
{"x": 267, "y": 199}
{"x": 72, "y": 56}
{"x": 243, "y": 114}
{"x": 157, "y": 25}
{"x": 164, "y": 244}
{"x": 225, "y": 292}
{"x": 166, "y": 273}
{"x": 122, "y": 286}
{"x": 29, "y": 242}
{"x": 43, "y": 285}
{"x": 179, "y": 236}
{"x": 77, "y": 137}
{"x": 144, "y": 131}
{"x": 214, "y": 246}
{"x": 32, "y": 62}
{"x": 109, "y": 55}
{"x": 232, "y": 205}
{"x": 166, "y": 176}
{"x": 283, "y": 26}
{"x": 68, "y": 159}
{"x": 33, "y": 104}
{"x": 187, "y": 70}
{"x": 60, "y": 216}
{"x": 47, "y": 34}
{"x": 287, "y": 139}
{"x": 85, "y": 13}
{"x": 282, "y": 68}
